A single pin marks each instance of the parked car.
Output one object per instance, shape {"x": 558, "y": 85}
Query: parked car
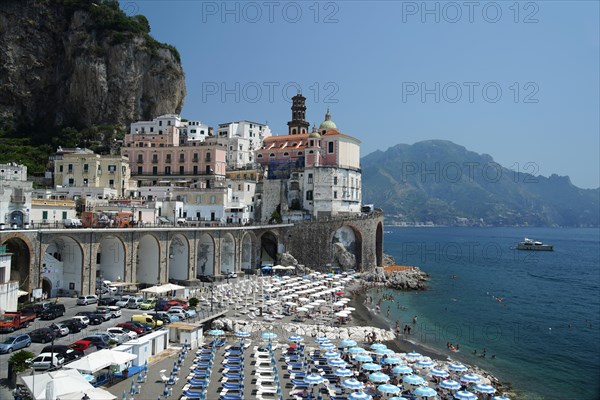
{"x": 147, "y": 320}
{"x": 75, "y": 325}
{"x": 85, "y": 321}
{"x": 113, "y": 311}
{"x": 190, "y": 313}
{"x": 134, "y": 302}
{"x": 166, "y": 317}
{"x": 36, "y": 309}
{"x": 104, "y": 312}
{"x": 60, "y": 329}
{"x": 46, "y": 361}
{"x": 15, "y": 342}
{"x": 230, "y": 275}
{"x": 149, "y": 303}
{"x": 132, "y": 327}
{"x": 117, "y": 330}
{"x": 108, "y": 301}
{"x": 66, "y": 351}
{"x": 53, "y": 312}
{"x": 100, "y": 340}
{"x": 85, "y": 300}
{"x": 123, "y": 302}
{"x": 82, "y": 345}
{"x": 92, "y": 317}
{"x": 142, "y": 325}
{"x": 42, "y": 335}
{"x": 178, "y": 312}
{"x": 72, "y": 223}
{"x": 118, "y": 338}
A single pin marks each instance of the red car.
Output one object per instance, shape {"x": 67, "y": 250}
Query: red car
{"x": 131, "y": 327}
{"x": 180, "y": 303}
{"x": 82, "y": 345}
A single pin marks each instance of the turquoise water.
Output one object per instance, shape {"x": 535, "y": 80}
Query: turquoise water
{"x": 537, "y": 312}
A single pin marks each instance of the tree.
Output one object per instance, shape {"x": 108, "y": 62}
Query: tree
{"x": 194, "y": 302}
{"x": 19, "y": 360}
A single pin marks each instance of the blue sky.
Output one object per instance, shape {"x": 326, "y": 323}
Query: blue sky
{"x": 518, "y": 81}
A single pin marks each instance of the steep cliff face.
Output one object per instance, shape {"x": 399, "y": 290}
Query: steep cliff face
{"x": 62, "y": 64}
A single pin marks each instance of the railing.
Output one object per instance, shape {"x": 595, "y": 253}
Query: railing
{"x": 17, "y": 199}
{"x": 39, "y": 225}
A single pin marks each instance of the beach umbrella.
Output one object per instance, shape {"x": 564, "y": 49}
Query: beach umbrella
{"x": 215, "y": 332}
{"x": 414, "y": 380}
{"x": 397, "y": 398}
{"x": 425, "y": 363}
{"x": 425, "y": 391}
{"x": 352, "y": 384}
{"x": 500, "y": 398}
{"x": 402, "y": 369}
{"x": 413, "y": 356}
{"x": 483, "y": 388}
{"x": 124, "y": 397}
{"x": 369, "y": 366}
{"x": 295, "y": 338}
{"x": 356, "y": 350}
{"x": 269, "y": 335}
{"x": 242, "y": 334}
{"x": 470, "y": 378}
{"x": 132, "y": 388}
{"x": 391, "y": 360}
{"x": 320, "y": 339}
{"x": 359, "y": 396}
{"x": 388, "y": 389}
{"x": 376, "y": 346}
{"x": 450, "y": 384}
{"x": 337, "y": 362}
{"x": 363, "y": 358}
{"x": 327, "y": 346}
{"x": 457, "y": 367}
{"x": 331, "y": 354}
{"x": 384, "y": 351}
{"x": 379, "y": 377}
{"x": 464, "y": 395}
{"x": 313, "y": 379}
{"x": 343, "y": 372}
{"x": 348, "y": 343}
{"x": 440, "y": 373}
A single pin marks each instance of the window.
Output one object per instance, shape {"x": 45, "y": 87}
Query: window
{"x": 111, "y": 183}
{"x": 335, "y": 194}
{"x": 195, "y": 170}
{"x": 181, "y": 171}
{"x": 86, "y": 168}
{"x": 140, "y": 158}
{"x": 112, "y": 169}
{"x": 140, "y": 170}
{"x": 167, "y": 170}
{"x": 195, "y": 159}
{"x": 154, "y": 170}
{"x": 300, "y": 153}
{"x": 259, "y": 156}
{"x": 168, "y": 158}
{"x": 208, "y": 156}
{"x": 60, "y": 168}
{"x": 310, "y": 178}
{"x": 44, "y": 214}
{"x": 309, "y": 195}
{"x": 70, "y": 167}
{"x": 335, "y": 181}
{"x": 272, "y": 155}
{"x": 64, "y": 215}
{"x": 154, "y": 158}
{"x": 85, "y": 182}
{"x": 330, "y": 147}
{"x": 213, "y": 199}
{"x": 181, "y": 157}
{"x": 71, "y": 182}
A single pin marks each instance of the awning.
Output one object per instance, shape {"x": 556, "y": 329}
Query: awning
{"x": 57, "y": 383}
{"x": 164, "y": 220}
{"x": 22, "y": 293}
{"x": 100, "y": 360}
{"x": 94, "y": 393}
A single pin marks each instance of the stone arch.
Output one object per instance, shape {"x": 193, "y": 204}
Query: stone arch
{"x": 379, "y": 244}
{"x": 110, "y": 259}
{"x": 227, "y": 253}
{"x": 248, "y": 261}
{"x": 269, "y": 244}
{"x": 179, "y": 255}
{"x": 62, "y": 265}
{"x": 148, "y": 260}
{"x": 47, "y": 286}
{"x": 20, "y": 261}
{"x": 205, "y": 261}
{"x": 346, "y": 239}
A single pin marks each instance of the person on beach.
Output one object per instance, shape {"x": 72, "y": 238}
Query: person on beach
{"x": 414, "y": 320}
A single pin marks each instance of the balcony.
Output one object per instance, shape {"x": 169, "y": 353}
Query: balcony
{"x": 18, "y": 199}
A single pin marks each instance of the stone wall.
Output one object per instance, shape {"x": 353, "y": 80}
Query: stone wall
{"x": 312, "y": 242}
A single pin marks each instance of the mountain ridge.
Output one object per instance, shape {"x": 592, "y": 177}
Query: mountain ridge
{"x": 443, "y": 183}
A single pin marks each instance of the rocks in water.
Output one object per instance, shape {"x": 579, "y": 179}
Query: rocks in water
{"x": 388, "y": 260}
{"x": 396, "y": 277}
{"x": 343, "y": 257}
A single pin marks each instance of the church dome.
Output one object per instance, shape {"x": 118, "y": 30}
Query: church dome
{"x": 328, "y": 124}
{"x": 314, "y": 134}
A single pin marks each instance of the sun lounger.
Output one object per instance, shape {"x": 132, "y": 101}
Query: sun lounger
{"x": 195, "y": 394}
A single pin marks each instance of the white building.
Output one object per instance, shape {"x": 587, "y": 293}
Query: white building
{"x": 8, "y": 289}
{"x": 15, "y": 195}
{"x": 241, "y": 138}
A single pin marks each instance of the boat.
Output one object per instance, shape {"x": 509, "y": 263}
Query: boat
{"x": 534, "y": 245}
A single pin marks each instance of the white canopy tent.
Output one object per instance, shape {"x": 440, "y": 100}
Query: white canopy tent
{"x": 167, "y": 287}
{"x": 56, "y": 383}
{"x": 100, "y": 360}
{"x": 94, "y": 393}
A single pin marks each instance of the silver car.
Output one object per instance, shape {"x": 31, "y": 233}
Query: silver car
{"x": 45, "y": 361}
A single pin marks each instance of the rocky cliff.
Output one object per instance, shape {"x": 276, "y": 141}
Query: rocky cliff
{"x": 81, "y": 63}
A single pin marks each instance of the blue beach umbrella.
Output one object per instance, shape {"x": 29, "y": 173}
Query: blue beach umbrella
{"x": 242, "y": 334}
{"x": 413, "y": 356}
{"x": 356, "y": 350}
{"x": 470, "y": 378}
{"x": 295, "y": 339}
{"x": 313, "y": 379}
{"x": 450, "y": 384}
{"x": 425, "y": 391}
{"x": 457, "y": 367}
{"x": 397, "y": 398}
{"x": 359, "y": 396}
{"x": 440, "y": 373}
{"x": 402, "y": 369}
{"x": 425, "y": 363}
{"x": 124, "y": 397}
{"x": 363, "y": 358}
{"x": 500, "y": 398}
{"x": 348, "y": 343}
{"x": 384, "y": 351}
{"x": 132, "y": 388}
{"x": 392, "y": 360}
{"x": 320, "y": 339}
{"x": 379, "y": 377}
{"x": 352, "y": 384}
{"x": 483, "y": 388}
{"x": 414, "y": 380}
{"x": 388, "y": 388}
{"x": 337, "y": 362}
{"x": 269, "y": 335}
{"x": 327, "y": 346}
{"x": 343, "y": 372}
{"x": 371, "y": 367}
{"x": 215, "y": 332}
{"x": 331, "y": 354}
{"x": 464, "y": 395}
{"x": 377, "y": 346}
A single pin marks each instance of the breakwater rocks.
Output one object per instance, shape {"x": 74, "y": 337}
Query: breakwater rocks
{"x": 256, "y": 328}
{"x": 398, "y": 277}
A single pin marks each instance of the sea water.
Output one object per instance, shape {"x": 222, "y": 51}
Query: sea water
{"x": 537, "y": 313}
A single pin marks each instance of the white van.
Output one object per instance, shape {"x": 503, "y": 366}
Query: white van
{"x": 72, "y": 223}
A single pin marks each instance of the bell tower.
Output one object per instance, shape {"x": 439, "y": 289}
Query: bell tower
{"x": 298, "y": 125}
